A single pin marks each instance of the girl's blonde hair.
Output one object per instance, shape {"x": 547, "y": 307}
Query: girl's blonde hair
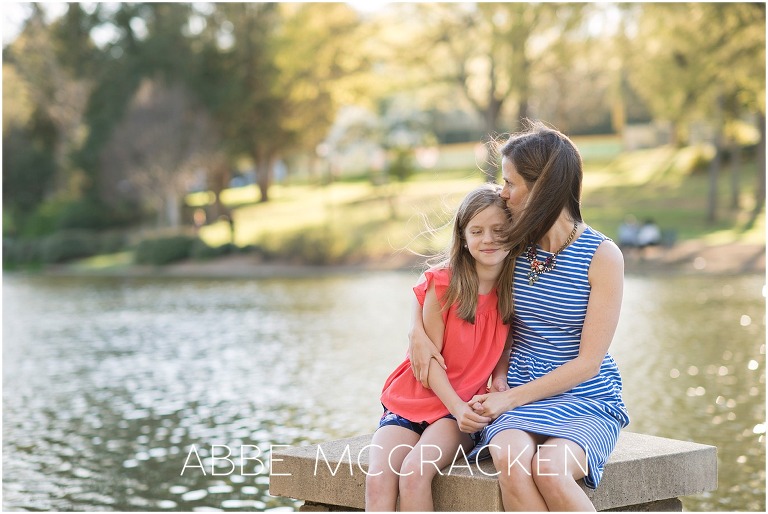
{"x": 463, "y": 288}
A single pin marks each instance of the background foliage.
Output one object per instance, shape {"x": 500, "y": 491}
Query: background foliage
{"x": 114, "y": 113}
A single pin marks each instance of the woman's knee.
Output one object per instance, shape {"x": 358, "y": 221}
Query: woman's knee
{"x": 513, "y": 466}
{"x": 553, "y": 464}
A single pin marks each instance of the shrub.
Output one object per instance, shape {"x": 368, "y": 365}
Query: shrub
{"x": 10, "y": 251}
{"x": 700, "y": 159}
{"x": 251, "y": 249}
{"x": 26, "y": 251}
{"x": 43, "y": 221}
{"x": 315, "y": 246}
{"x": 164, "y": 250}
{"x": 69, "y": 244}
{"x": 112, "y": 242}
{"x": 401, "y": 166}
{"x": 94, "y": 214}
{"x": 201, "y": 251}
{"x": 59, "y": 214}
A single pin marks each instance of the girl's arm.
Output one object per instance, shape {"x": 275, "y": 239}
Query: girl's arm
{"x": 469, "y": 421}
{"x": 437, "y": 378}
{"x": 606, "y": 277}
{"x": 421, "y": 347}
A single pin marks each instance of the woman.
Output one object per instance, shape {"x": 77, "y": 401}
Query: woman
{"x": 557, "y": 415}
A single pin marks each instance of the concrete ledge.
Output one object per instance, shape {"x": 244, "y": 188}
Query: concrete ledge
{"x": 644, "y": 473}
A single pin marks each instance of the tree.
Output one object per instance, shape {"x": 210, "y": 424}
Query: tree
{"x": 160, "y": 146}
{"x": 702, "y": 62}
{"x": 274, "y": 76}
{"x": 150, "y": 42}
{"x": 321, "y": 63}
{"x": 491, "y": 51}
{"x": 57, "y": 92}
{"x": 241, "y": 84}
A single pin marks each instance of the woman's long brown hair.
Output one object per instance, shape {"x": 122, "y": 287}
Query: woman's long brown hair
{"x": 551, "y": 165}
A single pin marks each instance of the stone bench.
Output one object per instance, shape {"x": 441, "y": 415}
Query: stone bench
{"x": 644, "y": 473}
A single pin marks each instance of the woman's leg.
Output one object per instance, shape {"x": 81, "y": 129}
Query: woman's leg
{"x": 512, "y": 452}
{"x": 385, "y": 458}
{"x": 557, "y": 466}
{"x": 435, "y": 450}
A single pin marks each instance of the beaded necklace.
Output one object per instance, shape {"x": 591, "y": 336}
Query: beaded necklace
{"x": 538, "y": 267}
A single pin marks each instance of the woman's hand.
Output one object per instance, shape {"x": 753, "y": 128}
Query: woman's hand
{"x": 421, "y": 351}
{"x": 492, "y": 405}
{"x": 469, "y": 421}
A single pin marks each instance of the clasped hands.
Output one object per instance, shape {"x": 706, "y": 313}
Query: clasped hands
{"x": 481, "y": 409}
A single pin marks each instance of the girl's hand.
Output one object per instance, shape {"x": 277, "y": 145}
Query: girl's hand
{"x": 491, "y": 405}
{"x": 499, "y": 384}
{"x": 421, "y": 351}
{"x": 468, "y": 420}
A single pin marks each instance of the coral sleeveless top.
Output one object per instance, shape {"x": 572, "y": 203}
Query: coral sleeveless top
{"x": 471, "y": 351}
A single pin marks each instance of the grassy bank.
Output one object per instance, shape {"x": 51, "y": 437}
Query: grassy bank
{"x": 351, "y": 221}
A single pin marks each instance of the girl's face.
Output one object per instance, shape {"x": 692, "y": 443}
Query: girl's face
{"x": 482, "y": 235}
{"x": 515, "y": 190}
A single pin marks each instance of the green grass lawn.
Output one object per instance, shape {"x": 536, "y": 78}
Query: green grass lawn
{"x": 352, "y": 220}
{"x": 660, "y": 184}
{"x": 356, "y": 220}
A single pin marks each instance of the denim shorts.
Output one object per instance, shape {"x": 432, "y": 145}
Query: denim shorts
{"x": 390, "y": 418}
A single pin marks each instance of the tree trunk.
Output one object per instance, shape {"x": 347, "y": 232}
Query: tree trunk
{"x": 491, "y": 120}
{"x": 491, "y": 117}
{"x": 264, "y": 176}
{"x": 172, "y": 208}
{"x": 313, "y": 165}
{"x": 714, "y": 167}
{"x": 618, "y": 107}
{"x": 522, "y": 111}
{"x": 218, "y": 180}
{"x": 760, "y": 186}
{"x": 735, "y": 175}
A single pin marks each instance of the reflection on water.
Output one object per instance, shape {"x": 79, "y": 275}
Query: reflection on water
{"x": 692, "y": 353}
{"x": 109, "y": 383}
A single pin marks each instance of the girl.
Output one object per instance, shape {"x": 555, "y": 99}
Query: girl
{"x": 424, "y": 426}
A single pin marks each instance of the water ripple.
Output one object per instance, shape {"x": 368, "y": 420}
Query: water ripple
{"x": 123, "y": 394}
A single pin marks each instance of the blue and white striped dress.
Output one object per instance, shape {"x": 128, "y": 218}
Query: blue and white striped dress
{"x": 547, "y": 325}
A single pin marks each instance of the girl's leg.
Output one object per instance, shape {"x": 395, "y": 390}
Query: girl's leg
{"x": 557, "y": 466}
{"x": 436, "y": 449}
{"x": 512, "y": 452}
{"x": 385, "y": 458}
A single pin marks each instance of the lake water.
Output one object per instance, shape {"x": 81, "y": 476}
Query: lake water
{"x": 109, "y": 383}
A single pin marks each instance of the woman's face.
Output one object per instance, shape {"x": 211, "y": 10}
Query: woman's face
{"x": 515, "y": 190}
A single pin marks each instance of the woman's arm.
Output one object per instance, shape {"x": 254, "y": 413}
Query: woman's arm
{"x": 606, "y": 277}
{"x": 421, "y": 348}
{"x": 499, "y": 375}
{"x": 432, "y": 317}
